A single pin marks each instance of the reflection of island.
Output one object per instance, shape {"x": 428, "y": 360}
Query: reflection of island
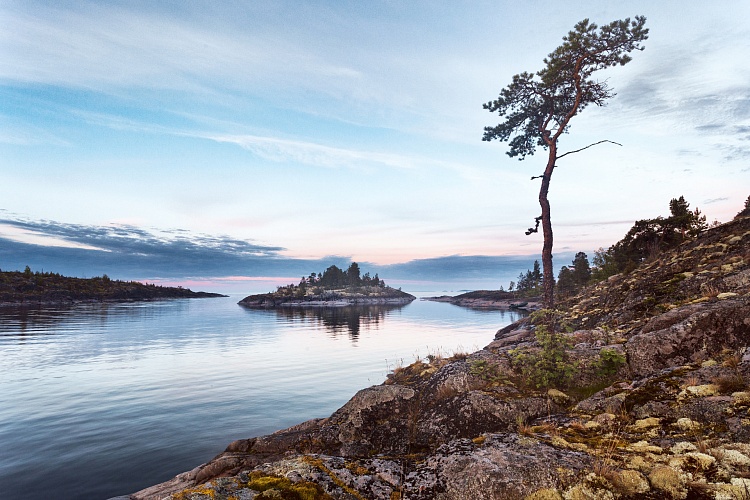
{"x": 339, "y": 320}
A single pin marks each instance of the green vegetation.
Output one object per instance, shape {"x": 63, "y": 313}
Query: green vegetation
{"x": 335, "y": 279}
{"x": 549, "y": 365}
{"x": 573, "y": 278}
{"x": 648, "y": 238}
{"x": 29, "y": 287}
{"x": 529, "y": 284}
{"x": 281, "y": 487}
{"x": 745, "y": 212}
{"x": 489, "y": 372}
{"x": 644, "y": 241}
{"x": 610, "y": 360}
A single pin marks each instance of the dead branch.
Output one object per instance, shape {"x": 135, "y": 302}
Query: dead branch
{"x": 579, "y": 150}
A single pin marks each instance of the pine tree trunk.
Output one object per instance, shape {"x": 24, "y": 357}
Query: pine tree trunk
{"x": 549, "y": 285}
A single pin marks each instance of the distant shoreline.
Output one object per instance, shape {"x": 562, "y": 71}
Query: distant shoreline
{"x": 29, "y": 288}
{"x": 488, "y": 302}
{"x": 73, "y": 302}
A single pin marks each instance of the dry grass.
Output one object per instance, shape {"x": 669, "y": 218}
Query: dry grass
{"x": 614, "y": 408}
{"x": 710, "y": 290}
{"x": 717, "y": 453}
{"x": 732, "y": 361}
{"x": 446, "y": 392}
{"x": 691, "y": 381}
{"x": 625, "y": 417}
{"x": 577, "y": 426}
{"x": 523, "y": 427}
{"x": 459, "y": 356}
{"x": 728, "y": 384}
{"x": 604, "y": 464}
{"x": 703, "y": 445}
{"x": 548, "y": 427}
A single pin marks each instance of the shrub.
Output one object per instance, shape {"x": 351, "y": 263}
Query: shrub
{"x": 610, "y": 360}
{"x": 486, "y": 371}
{"x": 549, "y": 365}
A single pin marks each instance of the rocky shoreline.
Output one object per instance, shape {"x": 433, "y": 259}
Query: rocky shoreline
{"x": 656, "y": 405}
{"x": 266, "y": 303}
{"x": 532, "y": 304}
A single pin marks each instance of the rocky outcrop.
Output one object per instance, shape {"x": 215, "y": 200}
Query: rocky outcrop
{"x": 657, "y": 406}
{"x": 489, "y": 299}
{"x": 689, "y": 334}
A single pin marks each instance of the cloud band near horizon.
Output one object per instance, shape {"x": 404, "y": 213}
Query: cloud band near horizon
{"x": 132, "y": 253}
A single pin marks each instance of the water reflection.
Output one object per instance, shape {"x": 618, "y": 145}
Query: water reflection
{"x": 348, "y": 320}
{"x": 137, "y": 393}
{"x": 20, "y": 323}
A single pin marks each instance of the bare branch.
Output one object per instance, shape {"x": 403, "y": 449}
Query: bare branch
{"x": 579, "y": 150}
{"x": 535, "y": 229}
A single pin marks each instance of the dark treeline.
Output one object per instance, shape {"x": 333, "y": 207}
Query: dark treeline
{"x": 644, "y": 241}
{"x": 335, "y": 277}
{"x": 31, "y": 286}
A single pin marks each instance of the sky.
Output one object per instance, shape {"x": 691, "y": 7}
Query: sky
{"x": 237, "y": 144}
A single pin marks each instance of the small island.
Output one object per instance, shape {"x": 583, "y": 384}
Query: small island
{"x": 490, "y": 299}
{"x": 28, "y": 287}
{"x": 333, "y": 288}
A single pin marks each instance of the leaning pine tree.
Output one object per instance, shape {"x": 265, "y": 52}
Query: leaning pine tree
{"x": 537, "y": 108}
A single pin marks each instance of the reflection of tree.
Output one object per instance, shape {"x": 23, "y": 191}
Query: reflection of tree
{"x": 337, "y": 320}
{"x": 42, "y": 319}
{"x": 28, "y": 320}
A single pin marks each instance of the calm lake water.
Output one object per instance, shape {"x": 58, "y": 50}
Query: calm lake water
{"x": 100, "y": 400}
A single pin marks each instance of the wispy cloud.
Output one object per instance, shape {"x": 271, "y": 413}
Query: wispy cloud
{"x": 94, "y": 45}
{"x": 715, "y": 200}
{"x": 699, "y": 91}
{"x": 17, "y": 134}
{"x": 281, "y": 150}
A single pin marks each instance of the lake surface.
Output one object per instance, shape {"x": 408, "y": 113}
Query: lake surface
{"x": 100, "y": 400}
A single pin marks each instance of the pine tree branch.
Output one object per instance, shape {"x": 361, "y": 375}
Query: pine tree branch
{"x": 579, "y": 150}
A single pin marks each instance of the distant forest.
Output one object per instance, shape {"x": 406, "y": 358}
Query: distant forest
{"x": 29, "y": 286}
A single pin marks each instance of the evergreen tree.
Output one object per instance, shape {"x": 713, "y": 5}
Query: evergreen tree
{"x": 536, "y": 276}
{"x": 745, "y": 212}
{"x": 683, "y": 220}
{"x": 537, "y": 107}
{"x": 581, "y": 270}
{"x": 352, "y": 274}
{"x": 566, "y": 284}
{"x": 649, "y": 237}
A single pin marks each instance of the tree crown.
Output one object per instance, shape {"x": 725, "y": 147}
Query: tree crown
{"x": 537, "y": 107}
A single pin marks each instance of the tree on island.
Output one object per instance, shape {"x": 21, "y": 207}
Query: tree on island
{"x": 537, "y": 107}
{"x": 334, "y": 277}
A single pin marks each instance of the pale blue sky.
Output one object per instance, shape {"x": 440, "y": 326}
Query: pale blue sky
{"x": 312, "y": 129}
